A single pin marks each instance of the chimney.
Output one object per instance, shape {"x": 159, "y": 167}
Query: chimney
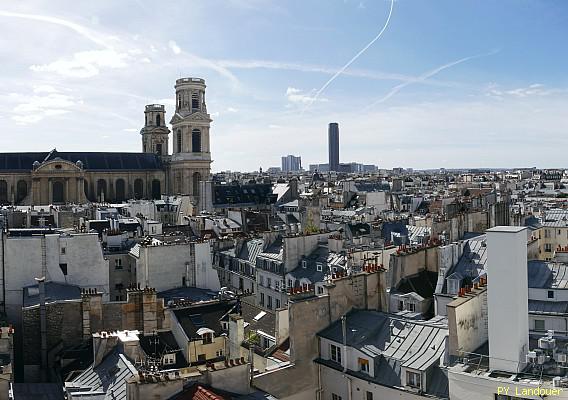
{"x": 507, "y": 298}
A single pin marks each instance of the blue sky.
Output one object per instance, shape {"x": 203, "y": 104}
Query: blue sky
{"x": 468, "y": 83}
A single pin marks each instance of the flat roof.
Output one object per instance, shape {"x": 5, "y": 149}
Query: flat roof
{"x": 510, "y": 229}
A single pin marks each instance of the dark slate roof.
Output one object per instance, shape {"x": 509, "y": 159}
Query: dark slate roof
{"x": 107, "y": 380}
{"x": 473, "y": 261}
{"x": 243, "y": 195}
{"x": 37, "y": 391}
{"x": 267, "y": 323}
{"x": 191, "y": 294}
{"x": 54, "y": 291}
{"x": 423, "y": 283}
{"x": 156, "y": 346}
{"x": 393, "y": 343}
{"x": 92, "y": 161}
{"x": 322, "y": 255}
{"x": 207, "y": 315}
{"x": 548, "y": 307}
{"x": 547, "y": 275}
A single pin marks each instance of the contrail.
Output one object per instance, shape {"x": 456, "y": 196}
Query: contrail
{"x": 81, "y": 30}
{"x": 425, "y": 76}
{"x": 342, "y": 69}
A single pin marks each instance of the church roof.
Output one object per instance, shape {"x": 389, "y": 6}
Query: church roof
{"x": 92, "y": 161}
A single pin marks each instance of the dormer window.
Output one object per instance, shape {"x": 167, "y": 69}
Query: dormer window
{"x": 169, "y": 359}
{"x": 363, "y": 365}
{"x": 319, "y": 267}
{"x": 304, "y": 263}
{"x": 207, "y": 338}
{"x": 413, "y": 379}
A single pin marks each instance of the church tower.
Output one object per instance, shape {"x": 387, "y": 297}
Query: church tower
{"x": 191, "y": 158}
{"x": 155, "y": 134}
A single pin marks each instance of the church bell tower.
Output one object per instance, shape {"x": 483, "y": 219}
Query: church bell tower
{"x": 191, "y": 158}
{"x": 155, "y": 134}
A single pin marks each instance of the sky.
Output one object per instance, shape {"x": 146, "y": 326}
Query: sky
{"x": 412, "y": 83}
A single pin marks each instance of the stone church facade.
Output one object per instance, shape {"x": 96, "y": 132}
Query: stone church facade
{"x": 77, "y": 177}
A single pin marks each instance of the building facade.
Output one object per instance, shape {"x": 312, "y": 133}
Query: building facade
{"x": 333, "y": 146}
{"x": 77, "y": 177}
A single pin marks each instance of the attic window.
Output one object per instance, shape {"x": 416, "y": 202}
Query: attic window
{"x": 319, "y": 267}
{"x": 304, "y": 263}
{"x": 58, "y": 166}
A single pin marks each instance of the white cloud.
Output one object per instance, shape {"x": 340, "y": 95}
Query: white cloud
{"x": 85, "y": 64}
{"x": 46, "y": 102}
{"x": 533, "y": 90}
{"x": 232, "y": 110}
{"x": 174, "y": 47}
{"x": 297, "y": 96}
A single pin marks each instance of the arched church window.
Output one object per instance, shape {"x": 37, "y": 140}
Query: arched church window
{"x": 158, "y": 120}
{"x": 102, "y": 193}
{"x": 138, "y": 189}
{"x": 3, "y": 192}
{"x": 156, "y": 189}
{"x": 120, "y": 190}
{"x": 21, "y": 191}
{"x": 196, "y": 141}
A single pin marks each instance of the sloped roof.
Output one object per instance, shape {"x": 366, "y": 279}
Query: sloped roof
{"x": 106, "y": 381}
{"x": 92, "y": 161}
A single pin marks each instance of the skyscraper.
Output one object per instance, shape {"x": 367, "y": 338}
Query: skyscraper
{"x": 333, "y": 146}
{"x": 291, "y": 163}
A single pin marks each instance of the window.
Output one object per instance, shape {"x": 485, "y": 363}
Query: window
{"x": 548, "y": 247}
{"x": 196, "y": 141}
{"x": 400, "y": 305}
{"x": 411, "y": 307}
{"x": 169, "y": 359}
{"x": 363, "y": 365}
{"x": 412, "y": 379}
{"x": 546, "y": 233}
{"x": 319, "y": 267}
{"x": 207, "y": 338}
{"x": 320, "y": 290}
{"x": 118, "y": 263}
{"x": 219, "y": 353}
{"x": 290, "y": 284}
{"x": 268, "y": 282}
{"x": 158, "y": 121}
{"x": 63, "y": 250}
{"x": 335, "y": 352}
{"x": 539, "y": 325}
{"x": 159, "y": 148}
{"x": 195, "y": 101}
{"x": 551, "y": 294}
{"x": 179, "y": 141}
{"x": 277, "y": 303}
{"x": 262, "y": 299}
{"x": 269, "y": 305}
{"x": 63, "y": 268}
{"x": 368, "y": 395}
{"x": 335, "y": 396}
{"x": 277, "y": 285}
{"x": 201, "y": 357}
{"x": 304, "y": 263}
{"x": 261, "y": 280}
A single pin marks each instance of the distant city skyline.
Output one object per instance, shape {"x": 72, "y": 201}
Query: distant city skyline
{"x": 76, "y": 77}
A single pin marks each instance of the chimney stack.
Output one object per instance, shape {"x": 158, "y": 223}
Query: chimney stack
{"x": 507, "y": 298}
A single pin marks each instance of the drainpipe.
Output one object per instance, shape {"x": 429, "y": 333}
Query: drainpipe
{"x": 344, "y": 331}
{"x": 43, "y": 327}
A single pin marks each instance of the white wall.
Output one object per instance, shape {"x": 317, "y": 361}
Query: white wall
{"x": 507, "y": 297}
{"x": 86, "y": 265}
{"x": 163, "y": 267}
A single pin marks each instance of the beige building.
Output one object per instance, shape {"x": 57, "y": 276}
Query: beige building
{"x": 76, "y": 177}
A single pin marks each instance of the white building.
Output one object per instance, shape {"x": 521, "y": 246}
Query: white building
{"x": 167, "y": 265}
{"x": 73, "y": 258}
